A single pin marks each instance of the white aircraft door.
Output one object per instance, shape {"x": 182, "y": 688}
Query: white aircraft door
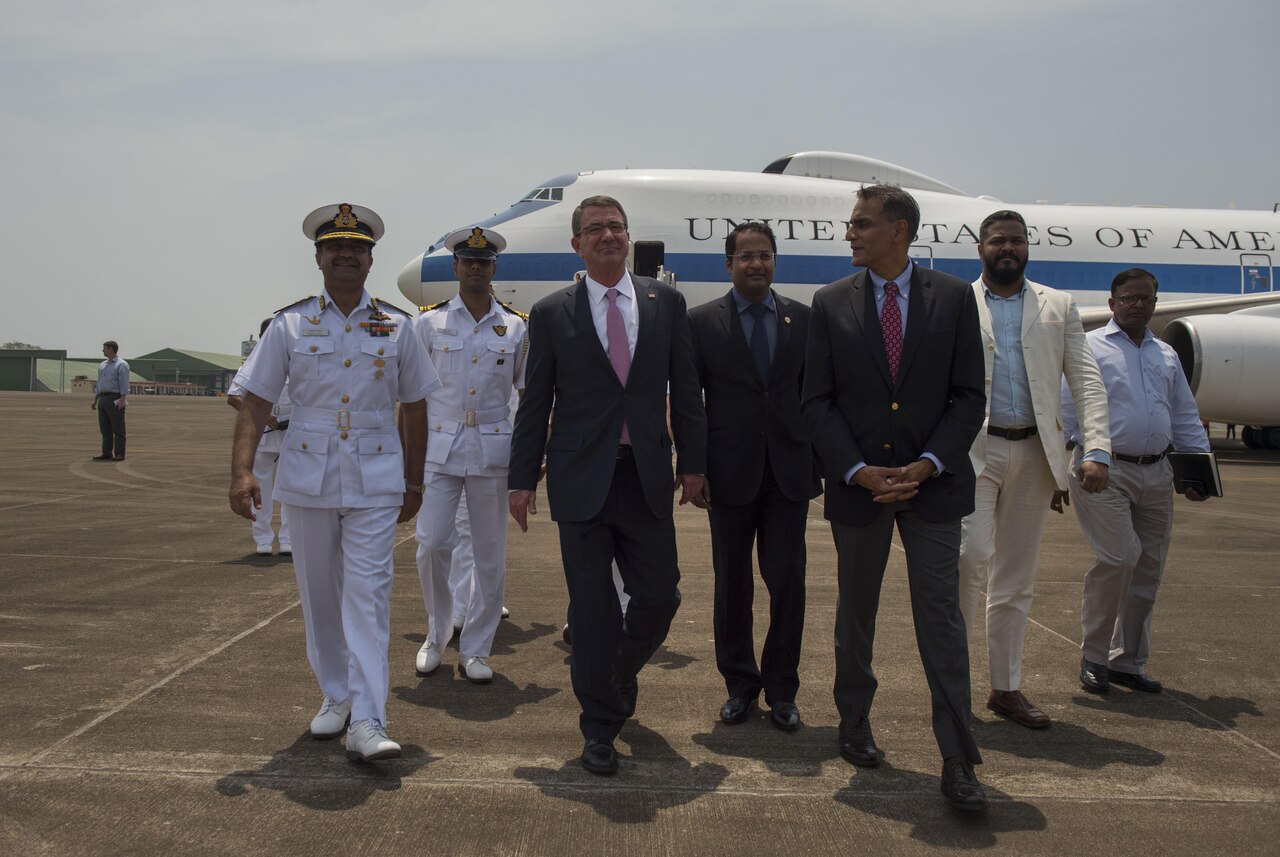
{"x": 1255, "y": 273}
{"x": 921, "y": 254}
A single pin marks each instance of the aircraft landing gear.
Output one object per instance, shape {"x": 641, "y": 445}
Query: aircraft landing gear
{"x": 1261, "y": 437}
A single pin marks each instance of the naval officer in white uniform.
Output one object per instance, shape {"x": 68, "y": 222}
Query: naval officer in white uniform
{"x": 478, "y": 346}
{"x": 348, "y": 358}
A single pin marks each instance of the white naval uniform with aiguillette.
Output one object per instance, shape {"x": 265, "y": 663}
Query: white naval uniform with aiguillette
{"x": 468, "y": 449}
{"x": 341, "y": 474}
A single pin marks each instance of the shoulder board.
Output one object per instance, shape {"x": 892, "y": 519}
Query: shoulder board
{"x": 294, "y": 304}
{"x": 509, "y": 308}
{"x": 379, "y": 303}
{"x": 440, "y": 305}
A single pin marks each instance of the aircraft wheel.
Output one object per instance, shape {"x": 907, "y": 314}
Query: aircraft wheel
{"x": 1270, "y": 437}
{"x": 1250, "y": 437}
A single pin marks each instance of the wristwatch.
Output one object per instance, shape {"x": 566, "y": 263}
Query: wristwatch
{"x": 417, "y": 489}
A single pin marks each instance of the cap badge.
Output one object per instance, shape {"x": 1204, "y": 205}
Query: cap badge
{"x": 477, "y": 240}
{"x": 346, "y": 218}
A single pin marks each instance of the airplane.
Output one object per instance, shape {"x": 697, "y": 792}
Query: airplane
{"x": 1218, "y": 305}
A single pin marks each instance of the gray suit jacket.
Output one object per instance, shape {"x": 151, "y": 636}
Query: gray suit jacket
{"x": 857, "y": 413}
{"x": 569, "y": 369}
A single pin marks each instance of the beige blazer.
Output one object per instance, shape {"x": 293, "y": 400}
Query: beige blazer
{"x": 1053, "y": 345}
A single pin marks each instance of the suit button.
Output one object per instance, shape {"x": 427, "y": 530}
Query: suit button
{"x": 379, "y": 350}
{"x": 347, "y": 362}
{"x": 475, "y": 359}
{"x": 888, "y": 446}
{"x": 345, "y": 398}
{"x": 343, "y": 435}
{"x": 379, "y": 447}
{"x": 304, "y": 444}
{"x": 894, "y": 406}
{"x": 314, "y": 349}
{"x": 348, "y": 328}
{"x": 991, "y": 348}
{"x": 472, "y": 391}
{"x": 988, "y": 380}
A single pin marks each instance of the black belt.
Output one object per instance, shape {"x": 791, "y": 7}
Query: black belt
{"x": 108, "y": 394}
{"x": 624, "y": 452}
{"x": 1138, "y": 459}
{"x": 1012, "y": 433}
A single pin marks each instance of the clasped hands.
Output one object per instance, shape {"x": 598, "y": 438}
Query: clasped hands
{"x": 893, "y": 484}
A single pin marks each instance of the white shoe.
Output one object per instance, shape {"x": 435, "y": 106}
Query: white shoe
{"x": 458, "y": 621}
{"x": 286, "y": 549}
{"x": 506, "y": 614}
{"x": 367, "y": 740}
{"x": 428, "y": 658}
{"x": 331, "y": 719}
{"x": 264, "y": 550}
{"x": 476, "y": 670}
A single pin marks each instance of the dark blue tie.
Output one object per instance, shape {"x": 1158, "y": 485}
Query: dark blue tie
{"x": 760, "y": 340}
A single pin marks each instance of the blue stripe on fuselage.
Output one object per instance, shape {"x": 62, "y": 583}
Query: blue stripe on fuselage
{"x": 709, "y": 268}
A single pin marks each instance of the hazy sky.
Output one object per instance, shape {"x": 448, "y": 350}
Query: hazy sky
{"x": 158, "y": 157}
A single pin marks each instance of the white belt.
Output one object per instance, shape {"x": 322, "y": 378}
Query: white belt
{"x": 469, "y": 418}
{"x": 343, "y": 419}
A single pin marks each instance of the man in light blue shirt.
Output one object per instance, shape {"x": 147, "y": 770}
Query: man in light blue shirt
{"x": 110, "y": 398}
{"x": 1129, "y": 523}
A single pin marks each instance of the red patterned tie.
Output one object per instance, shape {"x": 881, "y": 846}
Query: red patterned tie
{"x": 891, "y": 327}
{"x": 619, "y": 348}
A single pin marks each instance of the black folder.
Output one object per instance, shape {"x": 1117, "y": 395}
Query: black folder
{"x": 1198, "y": 470}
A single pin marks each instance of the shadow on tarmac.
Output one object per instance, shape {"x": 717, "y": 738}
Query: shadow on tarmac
{"x": 317, "y": 774}
{"x": 1227, "y": 710}
{"x": 792, "y": 754}
{"x": 652, "y": 760}
{"x": 447, "y": 692}
{"x": 1063, "y": 742}
{"x": 881, "y": 792}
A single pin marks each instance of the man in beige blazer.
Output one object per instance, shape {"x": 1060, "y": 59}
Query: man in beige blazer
{"x": 1032, "y": 336}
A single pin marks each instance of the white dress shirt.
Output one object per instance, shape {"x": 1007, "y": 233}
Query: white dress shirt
{"x": 626, "y": 305}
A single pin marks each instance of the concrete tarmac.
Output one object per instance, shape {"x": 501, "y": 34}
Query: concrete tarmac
{"x": 157, "y": 694}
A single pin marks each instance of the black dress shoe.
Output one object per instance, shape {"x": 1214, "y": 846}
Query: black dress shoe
{"x": 785, "y": 716}
{"x": 736, "y": 710}
{"x": 960, "y": 785}
{"x": 102, "y": 458}
{"x": 567, "y": 635}
{"x": 1137, "y": 681}
{"x": 1093, "y": 677}
{"x": 859, "y": 748}
{"x": 599, "y": 757}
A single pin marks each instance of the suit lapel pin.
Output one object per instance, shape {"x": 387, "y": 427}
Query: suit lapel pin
{"x": 652, "y": 296}
{"x": 786, "y": 319}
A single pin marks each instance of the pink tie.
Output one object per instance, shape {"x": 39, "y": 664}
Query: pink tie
{"x": 891, "y": 326}
{"x": 619, "y": 350}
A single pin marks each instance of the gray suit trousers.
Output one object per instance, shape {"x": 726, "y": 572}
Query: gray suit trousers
{"x": 933, "y": 555}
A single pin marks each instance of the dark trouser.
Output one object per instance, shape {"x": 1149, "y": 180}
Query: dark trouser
{"x": 933, "y": 555}
{"x": 609, "y": 649}
{"x": 776, "y": 525}
{"x": 111, "y": 424}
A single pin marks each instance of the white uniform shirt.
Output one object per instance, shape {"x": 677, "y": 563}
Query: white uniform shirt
{"x": 345, "y": 375}
{"x": 480, "y": 363}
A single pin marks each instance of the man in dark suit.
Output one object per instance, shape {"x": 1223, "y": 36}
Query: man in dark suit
{"x": 605, "y": 351}
{"x": 894, "y": 396}
{"x": 749, "y": 349}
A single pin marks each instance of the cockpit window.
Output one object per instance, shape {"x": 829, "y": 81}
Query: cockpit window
{"x": 546, "y": 193}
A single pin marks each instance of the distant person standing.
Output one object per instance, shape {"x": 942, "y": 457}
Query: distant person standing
{"x": 110, "y": 398}
{"x": 348, "y": 359}
{"x": 265, "y": 461}
{"x": 479, "y": 347}
{"x": 761, "y": 473}
{"x": 1152, "y": 411}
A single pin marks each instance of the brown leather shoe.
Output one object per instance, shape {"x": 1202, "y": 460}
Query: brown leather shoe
{"x": 1015, "y": 706}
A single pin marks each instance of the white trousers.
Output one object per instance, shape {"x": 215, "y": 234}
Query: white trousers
{"x": 264, "y": 470}
{"x": 342, "y": 559}
{"x": 437, "y": 535}
{"x": 1000, "y": 547}
{"x": 1129, "y": 525}
{"x": 462, "y": 561}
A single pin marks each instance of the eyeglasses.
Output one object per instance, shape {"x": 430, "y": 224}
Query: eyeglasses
{"x": 1134, "y": 300}
{"x": 595, "y": 229}
{"x": 747, "y": 258}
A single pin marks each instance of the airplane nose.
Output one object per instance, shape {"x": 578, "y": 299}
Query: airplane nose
{"x": 428, "y": 279}
{"x": 410, "y": 281}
